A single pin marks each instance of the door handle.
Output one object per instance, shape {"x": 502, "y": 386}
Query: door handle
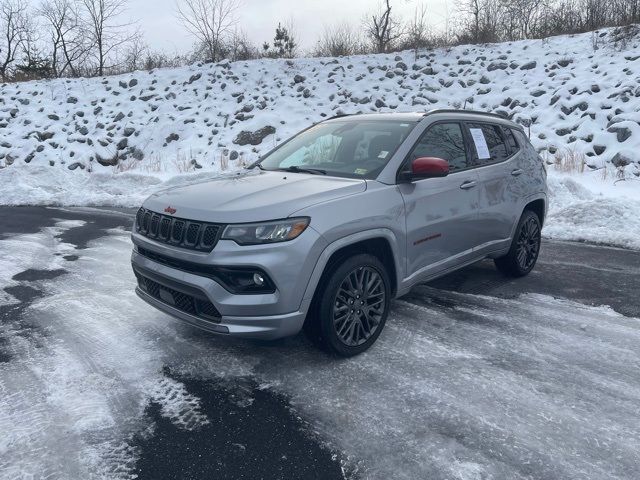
{"x": 517, "y": 172}
{"x": 468, "y": 184}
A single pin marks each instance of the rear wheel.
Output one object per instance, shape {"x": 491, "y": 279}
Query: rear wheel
{"x": 525, "y": 247}
{"x": 352, "y": 306}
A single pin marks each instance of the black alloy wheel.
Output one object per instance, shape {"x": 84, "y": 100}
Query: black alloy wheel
{"x": 528, "y": 244}
{"x": 359, "y": 306}
{"x": 525, "y": 247}
{"x": 351, "y": 305}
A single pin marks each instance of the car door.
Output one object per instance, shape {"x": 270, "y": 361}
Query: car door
{"x": 440, "y": 212}
{"x": 496, "y": 153}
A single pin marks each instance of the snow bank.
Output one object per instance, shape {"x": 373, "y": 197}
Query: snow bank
{"x": 585, "y": 208}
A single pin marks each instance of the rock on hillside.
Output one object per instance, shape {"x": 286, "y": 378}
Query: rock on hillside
{"x": 568, "y": 94}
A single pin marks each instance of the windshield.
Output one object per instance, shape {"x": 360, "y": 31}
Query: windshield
{"x": 346, "y": 149}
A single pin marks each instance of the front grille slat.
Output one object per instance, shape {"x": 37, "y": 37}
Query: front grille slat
{"x": 165, "y": 228}
{"x": 193, "y": 232}
{"x": 199, "y": 307}
{"x": 180, "y": 232}
{"x": 153, "y": 229}
{"x": 140, "y": 217}
{"x": 210, "y": 235}
{"x": 146, "y": 221}
{"x": 177, "y": 231}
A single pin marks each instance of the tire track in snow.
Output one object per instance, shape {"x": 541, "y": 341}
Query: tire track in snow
{"x": 176, "y": 404}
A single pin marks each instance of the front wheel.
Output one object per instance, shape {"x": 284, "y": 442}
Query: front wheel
{"x": 525, "y": 247}
{"x": 353, "y": 305}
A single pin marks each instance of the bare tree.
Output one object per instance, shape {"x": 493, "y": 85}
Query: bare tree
{"x": 417, "y": 31}
{"x": 35, "y": 63}
{"x": 240, "y": 47}
{"x": 135, "y": 54}
{"x": 69, "y": 44}
{"x": 473, "y": 8}
{"x": 163, "y": 60}
{"x": 383, "y": 29}
{"x": 56, "y": 14}
{"x": 13, "y": 22}
{"x": 630, "y": 9}
{"x": 596, "y": 14}
{"x": 500, "y": 20}
{"x": 482, "y": 21}
{"x": 339, "y": 40}
{"x": 525, "y": 13}
{"x": 210, "y": 21}
{"x": 107, "y": 34}
{"x": 555, "y": 18}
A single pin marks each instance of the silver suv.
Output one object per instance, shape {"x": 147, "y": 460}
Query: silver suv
{"x": 330, "y": 226}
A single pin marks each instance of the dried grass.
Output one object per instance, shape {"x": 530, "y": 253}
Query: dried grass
{"x": 184, "y": 163}
{"x": 125, "y": 166}
{"x": 224, "y": 160}
{"x": 569, "y": 160}
{"x": 154, "y": 165}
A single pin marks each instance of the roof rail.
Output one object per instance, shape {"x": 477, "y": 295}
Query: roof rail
{"x": 339, "y": 115}
{"x": 475, "y": 112}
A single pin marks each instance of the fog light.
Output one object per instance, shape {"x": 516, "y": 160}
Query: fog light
{"x": 258, "y": 279}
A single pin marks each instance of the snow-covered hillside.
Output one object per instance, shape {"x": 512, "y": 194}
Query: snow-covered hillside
{"x": 113, "y": 140}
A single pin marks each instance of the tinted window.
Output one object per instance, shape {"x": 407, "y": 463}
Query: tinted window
{"x": 444, "y": 140}
{"x": 494, "y": 148}
{"x": 512, "y": 145}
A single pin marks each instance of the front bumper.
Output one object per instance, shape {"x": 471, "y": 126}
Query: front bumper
{"x": 257, "y": 315}
{"x": 267, "y": 327}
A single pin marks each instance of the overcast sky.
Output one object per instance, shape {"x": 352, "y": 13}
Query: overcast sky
{"x": 259, "y": 18}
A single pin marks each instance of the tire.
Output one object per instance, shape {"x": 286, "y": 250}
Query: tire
{"x": 335, "y": 322}
{"x": 525, "y": 247}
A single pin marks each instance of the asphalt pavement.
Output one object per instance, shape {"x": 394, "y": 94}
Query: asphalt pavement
{"x": 289, "y": 429}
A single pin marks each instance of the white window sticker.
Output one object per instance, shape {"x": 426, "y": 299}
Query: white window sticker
{"x": 383, "y": 154}
{"x": 481, "y": 143}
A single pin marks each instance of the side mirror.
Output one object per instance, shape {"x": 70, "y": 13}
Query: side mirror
{"x": 429, "y": 167}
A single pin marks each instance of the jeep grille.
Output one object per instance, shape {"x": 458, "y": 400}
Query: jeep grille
{"x": 178, "y": 232}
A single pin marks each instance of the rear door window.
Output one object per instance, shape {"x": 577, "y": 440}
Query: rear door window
{"x": 446, "y": 141}
{"x": 489, "y": 143}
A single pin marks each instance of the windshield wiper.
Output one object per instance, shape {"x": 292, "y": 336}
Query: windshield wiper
{"x": 296, "y": 169}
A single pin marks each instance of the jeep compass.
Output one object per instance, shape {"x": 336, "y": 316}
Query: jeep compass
{"x": 326, "y": 229}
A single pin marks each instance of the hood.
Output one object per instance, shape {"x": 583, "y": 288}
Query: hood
{"x": 252, "y": 197}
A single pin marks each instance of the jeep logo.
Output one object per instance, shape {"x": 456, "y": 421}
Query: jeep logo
{"x": 170, "y": 210}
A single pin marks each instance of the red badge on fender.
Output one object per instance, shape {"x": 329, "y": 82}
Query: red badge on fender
{"x": 170, "y": 210}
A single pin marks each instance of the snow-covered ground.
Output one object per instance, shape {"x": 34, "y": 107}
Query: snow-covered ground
{"x": 114, "y": 140}
{"x": 69, "y": 404}
{"x": 587, "y": 208}
{"x": 458, "y": 386}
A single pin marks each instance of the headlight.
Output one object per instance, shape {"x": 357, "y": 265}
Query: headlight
{"x": 266, "y": 232}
